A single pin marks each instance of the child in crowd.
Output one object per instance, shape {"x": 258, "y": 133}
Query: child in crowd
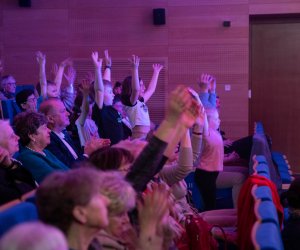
{"x": 134, "y": 97}
{"x": 108, "y": 120}
{"x": 211, "y": 160}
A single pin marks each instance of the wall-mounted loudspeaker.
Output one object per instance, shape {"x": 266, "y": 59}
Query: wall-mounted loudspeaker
{"x": 159, "y": 16}
{"x": 25, "y": 3}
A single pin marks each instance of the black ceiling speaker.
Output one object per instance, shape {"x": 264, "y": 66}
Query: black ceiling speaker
{"x": 25, "y": 3}
{"x": 159, "y": 16}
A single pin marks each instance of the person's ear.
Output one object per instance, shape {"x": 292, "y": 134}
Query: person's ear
{"x": 23, "y": 105}
{"x": 80, "y": 214}
{"x": 32, "y": 137}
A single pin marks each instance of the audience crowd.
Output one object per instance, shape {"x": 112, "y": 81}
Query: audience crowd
{"x": 104, "y": 177}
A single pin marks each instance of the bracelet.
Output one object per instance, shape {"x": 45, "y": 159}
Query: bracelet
{"x": 107, "y": 67}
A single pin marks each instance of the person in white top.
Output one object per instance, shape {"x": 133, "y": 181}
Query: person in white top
{"x": 134, "y": 97}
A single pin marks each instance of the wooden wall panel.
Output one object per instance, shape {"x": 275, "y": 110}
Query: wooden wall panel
{"x": 192, "y": 41}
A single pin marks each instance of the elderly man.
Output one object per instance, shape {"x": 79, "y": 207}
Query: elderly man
{"x": 62, "y": 145}
{"x": 14, "y": 179}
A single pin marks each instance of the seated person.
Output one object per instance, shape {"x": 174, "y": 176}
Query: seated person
{"x": 61, "y": 144}
{"x": 34, "y": 135}
{"x": 73, "y": 202}
{"x": 290, "y": 233}
{"x": 14, "y": 179}
{"x": 8, "y": 88}
{"x": 33, "y": 236}
{"x": 27, "y": 101}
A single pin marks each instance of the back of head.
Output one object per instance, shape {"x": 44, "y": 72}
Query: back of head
{"x": 120, "y": 193}
{"x": 110, "y": 158}
{"x": 60, "y": 192}
{"x": 126, "y": 90}
{"x": 22, "y": 96}
{"x": 33, "y": 236}
{"x": 47, "y": 106}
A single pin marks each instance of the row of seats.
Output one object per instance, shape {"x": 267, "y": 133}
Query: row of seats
{"x": 17, "y": 211}
{"x": 266, "y": 233}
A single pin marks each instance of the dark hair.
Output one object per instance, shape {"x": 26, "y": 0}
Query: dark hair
{"x": 293, "y": 194}
{"x": 22, "y": 96}
{"x": 27, "y": 123}
{"x": 117, "y": 98}
{"x": 127, "y": 90}
{"x": 118, "y": 84}
{"x": 110, "y": 158}
{"x": 60, "y": 192}
{"x": 107, "y": 83}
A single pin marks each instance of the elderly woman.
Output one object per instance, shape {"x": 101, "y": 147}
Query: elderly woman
{"x": 34, "y": 135}
{"x": 14, "y": 180}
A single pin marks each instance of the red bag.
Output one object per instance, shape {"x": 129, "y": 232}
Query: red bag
{"x": 199, "y": 234}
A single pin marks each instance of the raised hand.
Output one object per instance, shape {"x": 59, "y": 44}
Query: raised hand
{"x": 67, "y": 62}
{"x": 135, "y": 61}
{"x": 155, "y": 208}
{"x": 96, "y": 60}
{"x": 107, "y": 59}
{"x": 90, "y": 76}
{"x": 40, "y": 58}
{"x": 157, "y": 67}
{"x": 209, "y": 80}
{"x": 70, "y": 75}
{"x": 54, "y": 70}
{"x": 85, "y": 87}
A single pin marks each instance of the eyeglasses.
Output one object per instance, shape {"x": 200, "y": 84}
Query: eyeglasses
{"x": 33, "y": 99}
{"x": 11, "y": 83}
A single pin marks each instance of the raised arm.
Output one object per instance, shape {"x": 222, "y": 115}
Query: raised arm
{"x": 107, "y": 66}
{"x": 135, "y": 83}
{"x": 41, "y": 59}
{"x": 60, "y": 72}
{"x": 152, "y": 85}
{"x": 70, "y": 77}
{"x": 172, "y": 174}
{"x": 85, "y": 89}
{"x": 98, "y": 83}
{"x": 181, "y": 113}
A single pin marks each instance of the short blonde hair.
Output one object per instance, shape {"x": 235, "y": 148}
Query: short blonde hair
{"x": 120, "y": 193}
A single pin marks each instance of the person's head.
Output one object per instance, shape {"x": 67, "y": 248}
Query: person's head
{"x": 108, "y": 93}
{"x": 31, "y": 127}
{"x": 52, "y": 91}
{"x": 8, "y": 139}
{"x": 8, "y": 84}
{"x": 117, "y": 88}
{"x": 111, "y": 158}
{"x": 57, "y": 114}
{"x": 33, "y": 236}
{"x": 213, "y": 118}
{"x": 118, "y": 105}
{"x": 73, "y": 199}
{"x": 122, "y": 199}
{"x": 127, "y": 88}
{"x": 26, "y": 100}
